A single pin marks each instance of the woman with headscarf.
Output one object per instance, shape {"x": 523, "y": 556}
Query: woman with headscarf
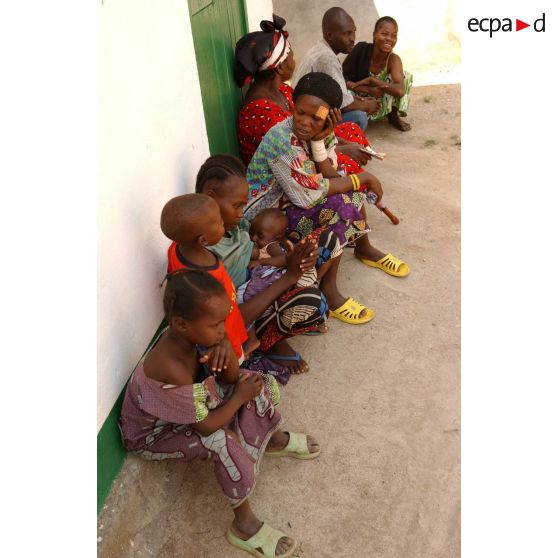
{"x": 264, "y": 60}
{"x": 295, "y": 168}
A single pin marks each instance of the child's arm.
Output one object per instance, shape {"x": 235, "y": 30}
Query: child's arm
{"x": 278, "y": 257}
{"x": 247, "y": 387}
{"x": 222, "y": 361}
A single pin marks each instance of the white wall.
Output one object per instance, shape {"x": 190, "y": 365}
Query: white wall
{"x": 256, "y": 10}
{"x": 151, "y": 143}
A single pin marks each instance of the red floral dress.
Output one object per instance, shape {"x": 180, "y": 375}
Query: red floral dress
{"x": 258, "y": 116}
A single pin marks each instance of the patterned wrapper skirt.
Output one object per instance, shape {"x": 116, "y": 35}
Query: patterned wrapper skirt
{"x": 388, "y": 101}
{"x": 339, "y": 213}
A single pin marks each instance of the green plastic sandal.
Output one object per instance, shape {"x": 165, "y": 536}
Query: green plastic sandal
{"x": 266, "y": 539}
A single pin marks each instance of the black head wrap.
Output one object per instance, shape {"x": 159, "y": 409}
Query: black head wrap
{"x": 254, "y": 49}
{"x": 319, "y": 85}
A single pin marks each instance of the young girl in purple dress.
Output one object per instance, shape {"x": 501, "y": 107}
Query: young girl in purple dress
{"x": 176, "y": 409}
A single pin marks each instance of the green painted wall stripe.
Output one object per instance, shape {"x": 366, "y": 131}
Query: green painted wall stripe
{"x": 110, "y": 452}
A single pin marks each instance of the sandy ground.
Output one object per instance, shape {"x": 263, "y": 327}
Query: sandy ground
{"x": 383, "y": 398}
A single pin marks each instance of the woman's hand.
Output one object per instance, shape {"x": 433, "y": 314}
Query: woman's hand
{"x": 372, "y": 184}
{"x": 248, "y": 387}
{"x": 302, "y": 259}
{"x": 333, "y": 118}
{"x": 370, "y": 105}
{"x": 218, "y": 356}
{"x": 377, "y": 92}
{"x": 355, "y": 152}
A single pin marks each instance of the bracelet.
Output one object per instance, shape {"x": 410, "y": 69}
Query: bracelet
{"x": 355, "y": 180}
{"x": 319, "y": 151}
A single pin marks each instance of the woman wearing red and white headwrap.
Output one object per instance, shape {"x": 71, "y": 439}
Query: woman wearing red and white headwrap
{"x": 264, "y": 59}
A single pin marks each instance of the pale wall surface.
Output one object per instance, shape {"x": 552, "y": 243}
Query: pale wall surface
{"x": 151, "y": 142}
{"x": 256, "y": 10}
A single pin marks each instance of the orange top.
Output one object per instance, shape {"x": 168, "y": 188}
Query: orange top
{"x": 234, "y": 324}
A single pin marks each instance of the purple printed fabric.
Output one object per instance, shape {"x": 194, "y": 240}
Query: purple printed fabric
{"x": 338, "y": 213}
{"x": 261, "y": 278}
{"x": 156, "y": 423}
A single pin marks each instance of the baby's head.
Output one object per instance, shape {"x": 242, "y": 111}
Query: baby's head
{"x": 223, "y": 177}
{"x": 192, "y": 219}
{"x": 196, "y": 306}
{"x": 269, "y": 225}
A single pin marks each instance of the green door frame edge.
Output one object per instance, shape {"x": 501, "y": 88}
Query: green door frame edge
{"x": 110, "y": 452}
{"x": 213, "y": 132}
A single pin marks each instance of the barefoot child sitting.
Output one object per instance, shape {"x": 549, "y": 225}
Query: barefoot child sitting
{"x": 193, "y": 222}
{"x": 175, "y": 409}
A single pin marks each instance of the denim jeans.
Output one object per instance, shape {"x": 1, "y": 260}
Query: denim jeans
{"x": 357, "y": 116}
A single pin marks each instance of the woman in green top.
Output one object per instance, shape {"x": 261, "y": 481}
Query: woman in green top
{"x": 374, "y": 70}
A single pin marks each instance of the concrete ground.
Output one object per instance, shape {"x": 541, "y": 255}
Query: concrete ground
{"x": 382, "y": 398}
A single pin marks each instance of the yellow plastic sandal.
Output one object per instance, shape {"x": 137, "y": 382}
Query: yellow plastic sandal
{"x": 349, "y": 312}
{"x": 390, "y": 264}
{"x": 266, "y": 539}
{"x": 296, "y": 448}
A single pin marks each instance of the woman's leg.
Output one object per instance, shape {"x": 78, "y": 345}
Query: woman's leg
{"x": 365, "y": 251}
{"x": 401, "y": 105}
{"x": 363, "y": 247}
{"x": 329, "y": 285}
{"x": 395, "y": 120}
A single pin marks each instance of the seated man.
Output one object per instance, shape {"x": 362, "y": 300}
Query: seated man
{"x": 338, "y": 30}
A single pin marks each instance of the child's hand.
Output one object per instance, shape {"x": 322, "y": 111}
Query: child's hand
{"x": 218, "y": 356}
{"x": 350, "y": 84}
{"x": 248, "y": 387}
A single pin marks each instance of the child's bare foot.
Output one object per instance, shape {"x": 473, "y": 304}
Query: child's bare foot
{"x": 279, "y": 441}
{"x": 294, "y": 364}
{"x": 323, "y": 328}
{"x": 395, "y": 120}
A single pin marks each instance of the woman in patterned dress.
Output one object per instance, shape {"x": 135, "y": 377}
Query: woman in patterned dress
{"x": 265, "y": 60}
{"x": 295, "y": 169}
{"x": 373, "y": 69}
